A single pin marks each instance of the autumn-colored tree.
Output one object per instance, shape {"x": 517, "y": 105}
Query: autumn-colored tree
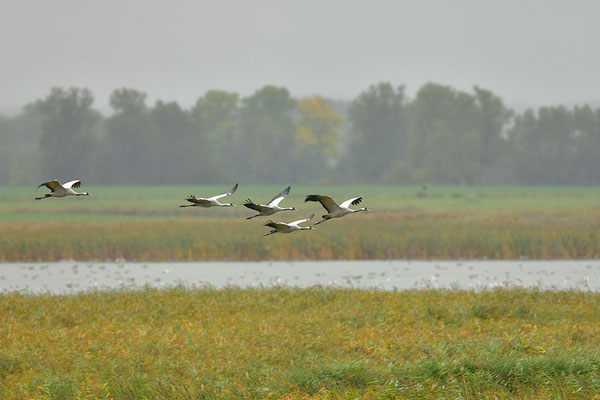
{"x": 316, "y": 138}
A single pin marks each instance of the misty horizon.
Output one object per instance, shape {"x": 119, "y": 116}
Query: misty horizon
{"x": 534, "y": 54}
{"x": 104, "y": 108}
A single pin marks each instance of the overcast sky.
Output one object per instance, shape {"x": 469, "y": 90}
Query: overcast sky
{"x": 527, "y": 52}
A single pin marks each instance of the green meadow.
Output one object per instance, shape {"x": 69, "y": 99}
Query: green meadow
{"x": 117, "y": 202}
{"x": 145, "y": 223}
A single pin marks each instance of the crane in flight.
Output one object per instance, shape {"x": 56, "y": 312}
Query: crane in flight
{"x": 288, "y": 227}
{"x": 64, "y": 190}
{"x": 210, "y": 201}
{"x": 333, "y": 209}
{"x": 271, "y": 207}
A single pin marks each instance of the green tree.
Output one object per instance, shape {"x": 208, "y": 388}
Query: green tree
{"x": 214, "y": 119}
{"x": 587, "y": 139}
{"x": 379, "y": 123}
{"x": 174, "y": 140}
{"x": 7, "y": 143}
{"x": 493, "y": 118}
{"x": 69, "y": 133}
{"x": 549, "y": 145}
{"x": 132, "y": 139}
{"x": 20, "y": 148}
{"x": 455, "y": 137}
{"x": 265, "y": 145}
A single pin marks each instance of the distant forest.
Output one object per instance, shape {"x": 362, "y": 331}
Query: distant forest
{"x": 441, "y": 136}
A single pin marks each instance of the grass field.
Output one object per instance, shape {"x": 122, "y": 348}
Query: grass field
{"x": 300, "y": 343}
{"x": 145, "y": 223}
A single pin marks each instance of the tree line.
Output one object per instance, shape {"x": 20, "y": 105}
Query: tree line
{"x": 441, "y": 136}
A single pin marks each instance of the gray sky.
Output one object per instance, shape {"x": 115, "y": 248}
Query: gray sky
{"x": 527, "y": 52}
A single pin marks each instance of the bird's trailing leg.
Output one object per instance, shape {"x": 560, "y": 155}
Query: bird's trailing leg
{"x": 270, "y": 233}
{"x": 323, "y": 220}
{"x": 253, "y": 216}
{"x": 46, "y": 196}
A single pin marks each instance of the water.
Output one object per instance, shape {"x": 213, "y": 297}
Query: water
{"x": 69, "y": 277}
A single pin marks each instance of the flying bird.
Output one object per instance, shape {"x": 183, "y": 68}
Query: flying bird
{"x": 271, "y": 207}
{"x": 210, "y": 201}
{"x": 283, "y": 227}
{"x": 333, "y": 209}
{"x": 64, "y": 190}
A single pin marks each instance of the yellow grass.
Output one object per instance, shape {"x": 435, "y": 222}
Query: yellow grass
{"x": 300, "y": 343}
{"x": 413, "y": 234}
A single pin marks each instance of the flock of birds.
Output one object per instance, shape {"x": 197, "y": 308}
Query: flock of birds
{"x": 334, "y": 210}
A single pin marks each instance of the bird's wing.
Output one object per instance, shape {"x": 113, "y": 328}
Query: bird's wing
{"x": 232, "y": 191}
{"x": 302, "y": 220}
{"x": 53, "y": 185}
{"x": 326, "y": 201}
{"x": 253, "y": 206}
{"x": 197, "y": 200}
{"x": 72, "y": 184}
{"x": 354, "y": 201}
{"x": 277, "y": 199}
{"x": 276, "y": 225}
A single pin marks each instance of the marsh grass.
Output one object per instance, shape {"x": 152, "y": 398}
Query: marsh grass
{"x": 185, "y": 343}
{"x": 145, "y": 223}
{"x": 409, "y": 234}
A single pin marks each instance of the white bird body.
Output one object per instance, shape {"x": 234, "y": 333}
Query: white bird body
{"x": 64, "y": 190}
{"x": 210, "y": 201}
{"x": 271, "y": 207}
{"x": 288, "y": 227}
{"x": 333, "y": 209}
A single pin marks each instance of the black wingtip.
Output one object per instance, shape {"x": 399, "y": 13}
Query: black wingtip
{"x": 357, "y": 201}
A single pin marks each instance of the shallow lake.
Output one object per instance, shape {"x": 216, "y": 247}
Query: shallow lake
{"x": 68, "y": 277}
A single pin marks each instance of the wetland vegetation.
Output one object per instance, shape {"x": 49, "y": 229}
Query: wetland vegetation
{"x": 145, "y": 224}
{"x": 300, "y": 343}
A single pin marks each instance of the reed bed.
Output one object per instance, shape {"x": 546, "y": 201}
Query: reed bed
{"x": 314, "y": 343}
{"x": 402, "y": 234}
